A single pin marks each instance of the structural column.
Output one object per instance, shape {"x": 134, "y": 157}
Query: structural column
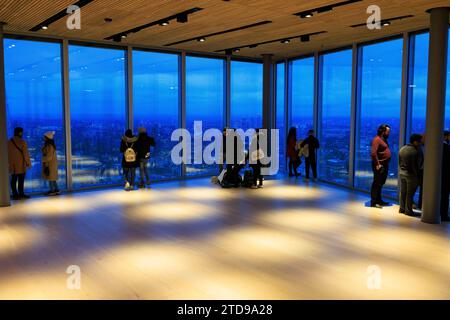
{"x": 267, "y": 90}
{"x": 437, "y": 76}
{"x": 4, "y": 174}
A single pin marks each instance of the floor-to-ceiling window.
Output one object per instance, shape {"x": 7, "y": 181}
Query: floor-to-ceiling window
{"x": 302, "y": 95}
{"x": 246, "y": 95}
{"x": 34, "y": 101}
{"x": 156, "y": 106}
{"x": 281, "y": 113}
{"x": 98, "y": 114}
{"x": 205, "y": 103}
{"x": 380, "y": 98}
{"x": 336, "y": 94}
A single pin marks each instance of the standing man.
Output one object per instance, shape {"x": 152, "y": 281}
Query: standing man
{"x": 311, "y": 160}
{"x": 143, "y": 145}
{"x": 381, "y": 156}
{"x": 445, "y": 184}
{"x": 19, "y": 163}
{"x": 409, "y": 171}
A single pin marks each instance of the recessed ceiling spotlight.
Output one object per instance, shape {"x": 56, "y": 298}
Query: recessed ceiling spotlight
{"x": 306, "y": 15}
{"x": 236, "y": 50}
{"x": 386, "y": 23}
{"x": 285, "y": 41}
{"x": 165, "y": 23}
{"x": 305, "y": 38}
{"x": 202, "y": 39}
{"x": 108, "y": 20}
{"x": 124, "y": 36}
{"x": 44, "y": 27}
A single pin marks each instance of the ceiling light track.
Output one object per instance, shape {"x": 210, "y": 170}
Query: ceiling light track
{"x": 63, "y": 13}
{"x": 310, "y": 13}
{"x": 220, "y": 33}
{"x": 384, "y": 22}
{"x": 181, "y": 17}
{"x": 302, "y": 37}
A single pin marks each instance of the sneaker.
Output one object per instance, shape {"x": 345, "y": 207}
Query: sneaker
{"x": 260, "y": 186}
{"x": 127, "y": 186}
{"x": 57, "y": 192}
{"x": 376, "y": 205}
{"x": 401, "y": 211}
{"x": 383, "y": 203}
{"x": 254, "y": 187}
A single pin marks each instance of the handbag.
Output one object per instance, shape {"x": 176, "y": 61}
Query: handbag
{"x": 47, "y": 171}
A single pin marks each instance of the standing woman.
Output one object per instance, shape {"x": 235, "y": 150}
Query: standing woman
{"x": 50, "y": 163}
{"x": 292, "y": 153}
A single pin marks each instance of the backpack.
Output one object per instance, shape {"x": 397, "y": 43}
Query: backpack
{"x": 130, "y": 154}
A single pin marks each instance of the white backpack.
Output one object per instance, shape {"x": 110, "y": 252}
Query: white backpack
{"x": 130, "y": 154}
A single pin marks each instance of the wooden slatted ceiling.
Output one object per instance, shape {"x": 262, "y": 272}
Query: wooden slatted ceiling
{"x": 21, "y": 15}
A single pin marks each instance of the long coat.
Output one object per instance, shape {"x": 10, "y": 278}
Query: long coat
{"x": 50, "y": 160}
{"x": 18, "y": 160}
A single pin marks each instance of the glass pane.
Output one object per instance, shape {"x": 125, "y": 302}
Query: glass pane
{"x": 447, "y": 105}
{"x": 418, "y": 79}
{"x": 336, "y": 116}
{"x": 302, "y": 95}
{"x": 246, "y": 95}
{"x": 205, "y": 97}
{"x": 97, "y": 105}
{"x": 156, "y": 105}
{"x": 281, "y": 114}
{"x": 34, "y": 101}
{"x": 381, "y": 78}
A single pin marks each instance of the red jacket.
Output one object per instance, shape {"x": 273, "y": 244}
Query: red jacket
{"x": 290, "y": 148}
{"x": 380, "y": 152}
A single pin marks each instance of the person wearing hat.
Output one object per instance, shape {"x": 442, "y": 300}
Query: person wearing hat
{"x": 19, "y": 162}
{"x": 50, "y": 163}
{"x": 143, "y": 148}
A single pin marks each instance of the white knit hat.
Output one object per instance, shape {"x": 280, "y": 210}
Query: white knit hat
{"x": 50, "y": 135}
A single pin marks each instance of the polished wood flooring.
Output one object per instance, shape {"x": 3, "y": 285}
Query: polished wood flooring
{"x": 193, "y": 240}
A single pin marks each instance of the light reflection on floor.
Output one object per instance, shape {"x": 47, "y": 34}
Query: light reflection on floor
{"x": 193, "y": 240}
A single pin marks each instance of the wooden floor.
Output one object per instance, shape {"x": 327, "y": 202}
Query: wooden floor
{"x": 192, "y": 240}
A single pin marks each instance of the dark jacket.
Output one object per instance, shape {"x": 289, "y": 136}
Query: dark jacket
{"x": 409, "y": 161}
{"x": 313, "y": 145}
{"x": 126, "y": 143}
{"x": 143, "y": 145}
